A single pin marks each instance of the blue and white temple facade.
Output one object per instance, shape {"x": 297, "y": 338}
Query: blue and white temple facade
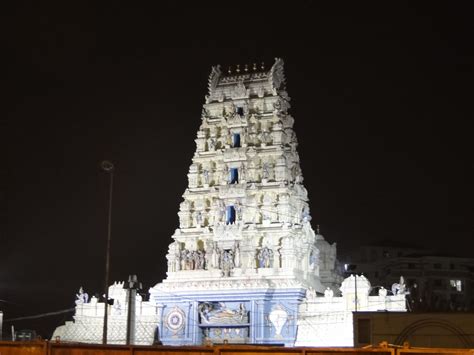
{"x": 244, "y": 253}
{"x": 245, "y": 265}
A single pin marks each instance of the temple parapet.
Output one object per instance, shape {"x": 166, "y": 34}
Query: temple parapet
{"x": 327, "y": 320}
{"x": 87, "y": 326}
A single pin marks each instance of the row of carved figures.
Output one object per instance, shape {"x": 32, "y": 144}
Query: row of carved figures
{"x": 250, "y": 107}
{"x": 253, "y": 125}
{"x": 263, "y": 138}
{"x": 292, "y": 197}
{"x": 249, "y": 173}
{"x": 222, "y": 259}
{"x": 287, "y": 159}
{"x": 224, "y": 176}
{"x": 249, "y": 215}
{"x": 82, "y": 297}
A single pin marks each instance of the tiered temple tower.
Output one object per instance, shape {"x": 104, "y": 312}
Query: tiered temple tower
{"x": 244, "y": 266}
{"x": 244, "y": 254}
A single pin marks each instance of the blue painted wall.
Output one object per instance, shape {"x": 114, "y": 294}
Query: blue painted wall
{"x": 180, "y": 322}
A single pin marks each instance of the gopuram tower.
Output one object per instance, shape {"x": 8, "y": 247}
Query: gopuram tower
{"x": 245, "y": 254}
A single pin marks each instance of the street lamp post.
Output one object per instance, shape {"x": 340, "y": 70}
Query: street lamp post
{"x": 355, "y": 286}
{"x": 131, "y": 286}
{"x": 108, "y": 167}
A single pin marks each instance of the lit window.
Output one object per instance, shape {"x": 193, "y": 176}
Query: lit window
{"x": 234, "y": 175}
{"x": 230, "y": 215}
{"x": 236, "y": 140}
{"x": 456, "y": 284}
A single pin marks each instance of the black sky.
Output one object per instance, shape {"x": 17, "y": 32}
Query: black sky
{"x": 381, "y": 97}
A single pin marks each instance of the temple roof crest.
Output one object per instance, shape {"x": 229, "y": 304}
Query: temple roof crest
{"x": 277, "y": 75}
{"x": 213, "y": 78}
{"x": 240, "y": 91}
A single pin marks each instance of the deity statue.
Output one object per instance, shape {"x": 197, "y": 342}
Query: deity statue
{"x": 198, "y": 219}
{"x": 310, "y": 293}
{"x": 238, "y": 210}
{"x": 265, "y": 137}
{"x": 81, "y": 297}
{"x": 189, "y": 260}
{"x": 266, "y": 214}
{"x": 205, "y": 175}
{"x": 312, "y": 260}
{"x": 225, "y": 174}
{"x": 264, "y": 256}
{"x": 237, "y": 254}
{"x": 200, "y": 259}
{"x": 305, "y": 216}
{"x": 328, "y": 293}
{"x": 250, "y": 259}
{"x": 211, "y": 144}
{"x": 177, "y": 262}
{"x": 215, "y": 213}
{"x": 227, "y": 262}
{"x": 215, "y": 257}
{"x": 208, "y": 258}
{"x": 242, "y": 172}
{"x": 399, "y": 288}
{"x": 219, "y": 313}
{"x": 266, "y": 171}
{"x": 182, "y": 258}
{"x": 221, "y": 211}
{"x": 116, "y": 308}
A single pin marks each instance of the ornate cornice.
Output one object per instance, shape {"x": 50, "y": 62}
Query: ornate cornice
{"x": 228, "y": 284}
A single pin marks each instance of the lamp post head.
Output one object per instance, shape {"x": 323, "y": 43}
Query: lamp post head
{"x": 107, "y": 166}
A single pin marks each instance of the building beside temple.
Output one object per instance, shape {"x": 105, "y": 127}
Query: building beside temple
{"x": 245, "y": 265}
{"x": 437, "y": 282}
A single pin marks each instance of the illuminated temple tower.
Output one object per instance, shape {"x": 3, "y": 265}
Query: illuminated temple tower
{"x": 244, "y": 266}
{"x": 245, "y": 254}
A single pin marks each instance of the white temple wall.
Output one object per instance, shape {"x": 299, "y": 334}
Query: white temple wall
{"x": 328, "y": 320}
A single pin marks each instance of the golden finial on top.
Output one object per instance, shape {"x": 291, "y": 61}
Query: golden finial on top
{"x": 238, "y": 68}
{"x": 254, "y": 66}
{"x": 230, "y": 70}
{"x": 246, "y": 69}
{"x": 262, "y": 66}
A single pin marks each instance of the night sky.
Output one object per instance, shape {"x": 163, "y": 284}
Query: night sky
{"x": 381, "y": 96}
